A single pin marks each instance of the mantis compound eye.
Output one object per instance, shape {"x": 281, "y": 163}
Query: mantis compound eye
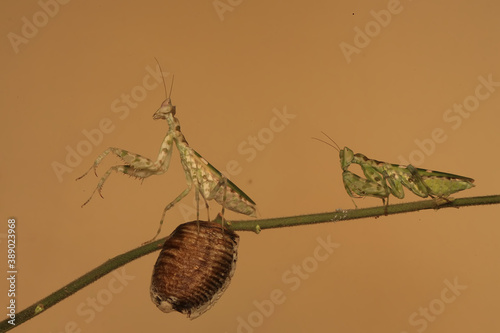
{"x": 194, "y": 268}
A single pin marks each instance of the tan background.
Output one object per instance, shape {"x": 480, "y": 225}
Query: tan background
{"x": 229, "y": 76}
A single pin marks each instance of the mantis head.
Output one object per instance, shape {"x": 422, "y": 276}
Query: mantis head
{"x": 346, "y": 156}
{"x": 165, "y": 109}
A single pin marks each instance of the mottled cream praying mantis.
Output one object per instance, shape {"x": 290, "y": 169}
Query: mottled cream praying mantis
{"x": 208, "y": 182}
{"x": 384, "y": 179}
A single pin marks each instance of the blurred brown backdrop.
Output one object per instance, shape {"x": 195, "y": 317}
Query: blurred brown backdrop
{"x": 379, "y": 77}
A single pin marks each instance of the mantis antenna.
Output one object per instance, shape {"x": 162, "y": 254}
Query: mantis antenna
{"x": 164, "y": 84}
{"x": 336, "y": 147}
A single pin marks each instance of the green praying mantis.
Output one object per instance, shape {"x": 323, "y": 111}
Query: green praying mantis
{"x": 209, "y": 183}
{"x": 383, "y": 179}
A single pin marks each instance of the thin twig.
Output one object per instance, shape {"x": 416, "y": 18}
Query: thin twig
{"x": 245, "y": 225}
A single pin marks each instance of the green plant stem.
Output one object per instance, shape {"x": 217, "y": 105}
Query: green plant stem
{"x": 246, "y": 225}
{"x": 353, "y": 214}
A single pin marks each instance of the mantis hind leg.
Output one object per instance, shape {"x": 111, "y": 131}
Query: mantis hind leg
{"x": 386, "y": 205}
{"x": 197, "y": 198}
{"x": 423, "y": 190}
{"x": 224, "y": 183}
{"x": 439, "y": 199}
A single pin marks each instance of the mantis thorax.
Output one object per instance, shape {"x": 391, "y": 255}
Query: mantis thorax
{"x": 167, "y": 112}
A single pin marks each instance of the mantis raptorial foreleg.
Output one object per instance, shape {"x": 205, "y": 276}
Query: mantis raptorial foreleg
{"x": 125, "y": 155}
{"x": 116, "y": 168}
{"x": 137, "y": 166}
{"x": 358, "y": 187}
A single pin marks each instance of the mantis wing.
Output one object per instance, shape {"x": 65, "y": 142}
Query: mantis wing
{"x": 213, "y": 185}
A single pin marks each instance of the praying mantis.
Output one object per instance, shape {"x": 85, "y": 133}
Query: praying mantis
{"x": 209, "y": 183}
{"x": 383, "y": 179}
